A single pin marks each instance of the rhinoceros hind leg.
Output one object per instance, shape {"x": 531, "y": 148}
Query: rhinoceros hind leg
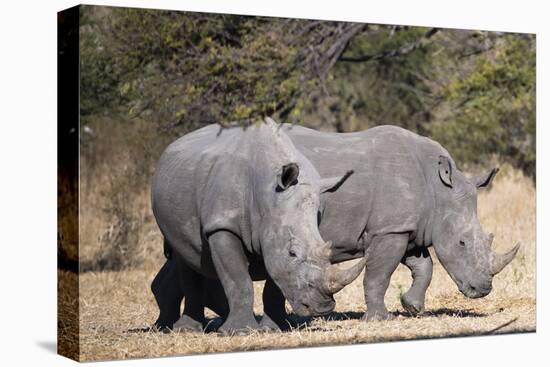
{"x": 193, "y": 309}
{"x": 419, "y": 261}
{"x": 168, "y": 292}
{"x": 383, "y": 256}
{"x": 274, "y": 317}
{"x": 231, "y": 266}
{"x": 215, "y": 298}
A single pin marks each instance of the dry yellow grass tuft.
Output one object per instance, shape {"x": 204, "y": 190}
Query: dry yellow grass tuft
{"x": 117, "y": 307}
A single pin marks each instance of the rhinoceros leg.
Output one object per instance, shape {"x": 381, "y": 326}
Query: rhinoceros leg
{"x": 384, "y": 254}
{"x": 419, "y": 261}
{"x": 232, "y": 268}
{"x": 168, "y": 292}
{"x": 192, "y": 318}
{"x": 214, "y": 298}
{"x": 274, "y": 317}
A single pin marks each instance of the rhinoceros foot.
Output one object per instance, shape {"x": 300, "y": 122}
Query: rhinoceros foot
{"x": 377, "y": 315}
{"x": 412, "y": 305}
{"x": 161, "y": 327}
{"x": 186, "y": 323}
{"x": 238, "y": 327}
{"x": 268, "y": 325}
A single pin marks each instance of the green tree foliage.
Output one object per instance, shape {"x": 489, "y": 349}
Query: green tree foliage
{"x": 382, "y": 78}
{"x": 492, "y": 109}
{"x": 190, "y": 69}
{"x": 473, "y": 91}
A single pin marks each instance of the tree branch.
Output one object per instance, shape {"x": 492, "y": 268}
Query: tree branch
{"x": 336, "y": 50}
{"x": 408, "y": 48}
{"x": 325, "y": 60}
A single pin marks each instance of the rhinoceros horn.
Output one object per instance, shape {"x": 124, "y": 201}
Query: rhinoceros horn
{"x": 337, "y": 278}
{"x": 500, "y": 261}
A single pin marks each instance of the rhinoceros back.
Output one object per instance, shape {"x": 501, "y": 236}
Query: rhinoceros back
{"x": 390, "y": 189}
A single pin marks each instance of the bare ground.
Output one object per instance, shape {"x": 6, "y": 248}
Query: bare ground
{"x": 116, "y": 308}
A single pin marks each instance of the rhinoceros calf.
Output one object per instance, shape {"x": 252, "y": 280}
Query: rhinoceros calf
{"x": 406, "y": 195}
{"x": 237, "y": 205}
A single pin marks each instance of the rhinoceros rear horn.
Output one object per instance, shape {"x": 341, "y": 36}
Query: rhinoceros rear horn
{"x": 337, "y": 278}
{"x": 501, "y": 260}
{"x": 324, "y": 251}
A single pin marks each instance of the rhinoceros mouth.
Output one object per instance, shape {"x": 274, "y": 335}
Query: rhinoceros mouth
{"x": 325, "y": 308}
{"x": 320, "y": 309}
{"x": 304, "y": 309}
{"x": 471, "y": 291}
{"x": 301, "y": 309}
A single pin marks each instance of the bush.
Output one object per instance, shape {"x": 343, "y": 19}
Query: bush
{"x": 494, "y": 108}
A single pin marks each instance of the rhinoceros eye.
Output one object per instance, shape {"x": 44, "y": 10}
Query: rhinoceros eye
{"x": 293, "y": 250}
{"x": 461, "y": 243}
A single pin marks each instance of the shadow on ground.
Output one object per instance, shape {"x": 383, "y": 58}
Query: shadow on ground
{"x": 301, "y": 322}
{"x": 296, "y": 322}
{"x": 443, "y": 312}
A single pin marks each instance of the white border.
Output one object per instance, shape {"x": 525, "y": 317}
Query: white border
{"x": 28, "y": 180}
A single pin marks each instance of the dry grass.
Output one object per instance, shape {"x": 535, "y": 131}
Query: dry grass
{"x": 67, "y": 314}
{"x": 117, "y": 228}
{"x": 115, "y": 307}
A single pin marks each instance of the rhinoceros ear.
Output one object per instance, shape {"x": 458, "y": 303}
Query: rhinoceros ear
{"x": 333, "y": 183}
{"x": 288, "y": 176}
{"x": 445, "y": 171}
{"x": 485, "y": 179}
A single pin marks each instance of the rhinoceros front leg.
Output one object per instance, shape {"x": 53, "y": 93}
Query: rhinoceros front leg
{"x": 168, "y": 292}
{"x": 419, "y": 261}
{"x": 274, "y": 317}
{"x": 232, "y": 268}
{"x": 383, "y": 255}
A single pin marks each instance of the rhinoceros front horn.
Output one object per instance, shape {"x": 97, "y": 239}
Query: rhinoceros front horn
{"x": 338, "y": 278}
{"x": 501, "y": 260}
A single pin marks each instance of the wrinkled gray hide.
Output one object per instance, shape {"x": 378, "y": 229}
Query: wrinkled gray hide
{"x": 406, "y": 195}
{"x": 238, "y": 205}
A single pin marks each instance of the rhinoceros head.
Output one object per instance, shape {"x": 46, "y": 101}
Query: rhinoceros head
{"x": 295, "y": 255}
{"x": 462, "y": 246}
